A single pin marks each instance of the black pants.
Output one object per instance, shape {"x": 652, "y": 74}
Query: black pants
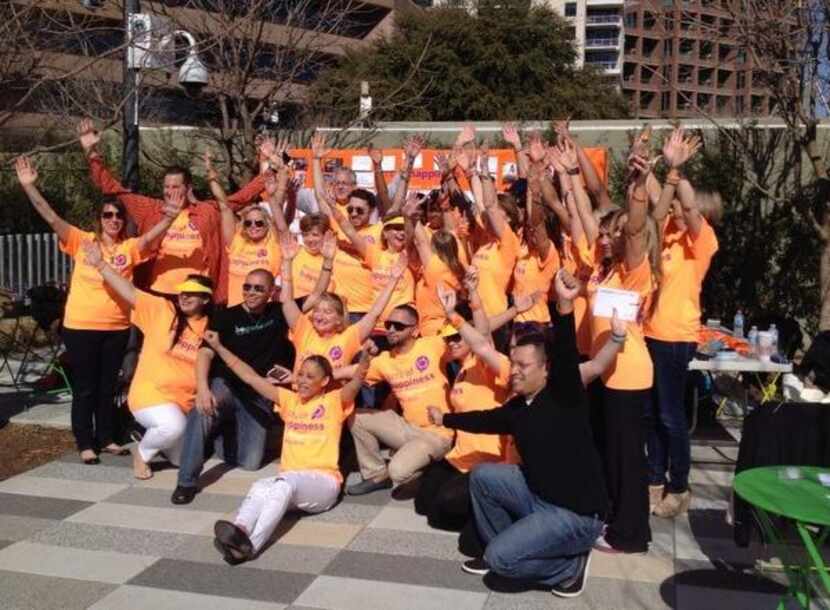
{"x": 95, "y": 358}
{"x": 444, "y": 499}
{"x": 626, "y": 472}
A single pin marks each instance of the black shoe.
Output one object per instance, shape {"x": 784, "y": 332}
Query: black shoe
{"x": 408, "y": 490}
{"x": 183, "y": 495}
{"x": 367, "y": 486}
{"x": 227, "y": 555}
{"x": 576, "y": 585}
{"x": 92, "y": 461}
{"x": 233, "y": 540}
{"x": 476, "y": 566}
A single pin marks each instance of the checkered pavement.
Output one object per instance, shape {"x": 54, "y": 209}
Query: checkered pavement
{"x": 76, "y": 536}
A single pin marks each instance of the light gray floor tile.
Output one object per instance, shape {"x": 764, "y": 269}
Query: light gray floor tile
{"x": 81, "y": 472}
{"x": 97, "y": 537}
{"x": 60, "y": 488}
{"x": 345, "y": 512}
{"x": 284, "y": 557}
{"x": 39, "y": 507}
{"x": 334, "y": 593}
{"x": 121, "y": 461}
{"x": 400, "y": 518}
{"x": 13, "y": 527}
{"x": 34, "y": 592}
{"x": 407, "y": 570}
{"x": 600, "y": 593}
{"x": 129, "y": 597}
{"x": 241, "y": 582}
{"x": 146, "y": 496}
{"x": 413, "y": 544}
{"x": 99, "y": 566}
{"x": 148, "y": 518}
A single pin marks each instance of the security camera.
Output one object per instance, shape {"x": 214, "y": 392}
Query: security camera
{"x": 193, "y": 75}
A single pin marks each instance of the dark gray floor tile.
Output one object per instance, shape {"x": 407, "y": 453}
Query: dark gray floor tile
{"x": 709, "y": 523}
{"x": 408, "y": 570}
{"x": 160, "y": 498}
{"x": 722, "y": 575}
{"x": 241, "y": 581}
{"x": 33, "y": 592}
{"x": 36, "y": 506}
{"x": 95, "y": 537}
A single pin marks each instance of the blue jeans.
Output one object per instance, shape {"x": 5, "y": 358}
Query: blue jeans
{"x": 525, "y": 537}
{"x": 200, "y": 429}
{"x": 666, "y": 426}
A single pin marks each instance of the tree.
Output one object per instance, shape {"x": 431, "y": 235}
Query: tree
{"x": 500, "y": 64}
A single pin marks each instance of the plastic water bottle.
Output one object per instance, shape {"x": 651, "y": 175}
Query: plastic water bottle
{"x": 738, "y": 325}
{"x": 752, "y": 338}
{"x": 774, "y": 332}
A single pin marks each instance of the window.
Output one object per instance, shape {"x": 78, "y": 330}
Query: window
{"x": 570, "y": 9}
{"x": 631, "y": 20}
{"x": 665, "y": 101}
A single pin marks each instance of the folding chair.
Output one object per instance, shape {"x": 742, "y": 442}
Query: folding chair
{"x": 15, "y": 309}
{"x": 47, "y": 304}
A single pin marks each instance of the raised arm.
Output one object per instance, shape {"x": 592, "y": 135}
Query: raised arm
{"x": 479, "y": 343}
{"x": 122, "y": 286}
{"x": 564, "y": 374}
{"x": 368, "y": 321}
{"x": 261, "y": 384}
{"x": 349, "y": 391}
{"x": 228, "y": 217}
{"x": 318, "y": 151}
{"x": 635, "y": 226}
{"x": 290, "y": 309}
{"x": 361, "y": 246}
{"x": 521, "y": 304}
{"x": 595, "y": 187}
{"x": 151, "y": 240}
{"x": 328, "y": 251}
{"x": 384, "y": 201}
{"x": 27, "y": 176}
{"x": 595, "y": 367}
{"x": 276, "y": 186}
{"x": 412, "y": 148}
{"x": 568, "y": 159}
{"x": 676, "y": 151}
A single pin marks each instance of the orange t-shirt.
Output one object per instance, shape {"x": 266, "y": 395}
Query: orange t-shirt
{"x": 417, "y": 381}
{"x": 180, "y": 254}
{"x": 311, "y": 440}
{"x": 92, "y": 304}
{"x": 339, "y": 349}
{"x": 477, "y": 388}
{"x": 683, "y": 266}
{"x": 164, "y": 374}
{"x": 431, "y": 317}
{"x": 244, "y": 256}
{"x": 632, "y": 369}
{"x": 495, "y": 261}
{"x": 532, "y": 274}
{"x": 381, "y": 262}
{"x": 578, "y": 260}
{"x": 351, "y": 275}
{"x": 305, "y": 270}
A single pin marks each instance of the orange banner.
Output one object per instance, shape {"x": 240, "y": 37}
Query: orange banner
{"x": 425, "y": 174}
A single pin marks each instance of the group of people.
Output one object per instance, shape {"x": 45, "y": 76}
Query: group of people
{"x": 455, "y": 329}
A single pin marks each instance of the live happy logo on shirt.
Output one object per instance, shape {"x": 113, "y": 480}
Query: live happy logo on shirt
{"x": 186, "y": 347}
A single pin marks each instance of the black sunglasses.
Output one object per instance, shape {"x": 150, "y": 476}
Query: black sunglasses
{"x": 110, "y": 215}
{"x": 452, "y": 339}
{"x": 257, "y": 223}
{"x": 356, "y": 209}
{"x": 394, "y": 227}
{"x": 397, "y": 326}
{"x": 255, "y": 287}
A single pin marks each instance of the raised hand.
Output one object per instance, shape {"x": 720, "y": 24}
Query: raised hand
{"x": 318, "y": 146}
{"x": 562, "y": 128}
{"x": 173, "y": 204}
{"x": 448, "y": 298}
{"x": 289, "y": 246}
{"x": 471, "y": 279}
{"x": 511, "y": 136}
{"x": 569, "y": 157}
{"x": 462, "y": 159}
{"x": 566, "y": 285}
{"x": 88, "y": 135}
{"x": 375, "y": 154}
{"x": 443, "y": 163}
{"x": 267, "y": 146}
{"x": 210, "y": 171}
{"x": 26, "y": 172}
{"x": 525, "y": 302}
{"x": 639, "y": 168}
{"x": 271, "y": 184}
{"x": 412, "y": 147}
{"x": 467, "y": 135}
{"x": 92, "y": 254}
{"x": 412, "y": 206}
{"x": 536, "y": 147}
{"x": 211, "y": 337}
{"x": 329, "y": 247}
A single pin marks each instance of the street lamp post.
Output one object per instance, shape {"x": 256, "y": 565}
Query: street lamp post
{"x": 129, "y": 156}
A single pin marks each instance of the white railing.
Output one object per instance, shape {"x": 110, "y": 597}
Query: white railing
{"x": 32, "y": 260}
{"x": 602, "y": 42}
{"x": 603, "y": 19}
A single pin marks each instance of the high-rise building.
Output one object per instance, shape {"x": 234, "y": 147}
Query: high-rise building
{"x": 597, "y": 31}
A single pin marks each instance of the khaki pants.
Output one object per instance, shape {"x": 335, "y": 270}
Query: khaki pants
{"x": 414, "y": 447}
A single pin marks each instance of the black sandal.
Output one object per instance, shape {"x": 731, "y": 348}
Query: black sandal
{"x": 92, "y": 461}
{"x": 120, "y": 451}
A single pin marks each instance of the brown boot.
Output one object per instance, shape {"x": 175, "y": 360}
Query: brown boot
{"x": 655, "y": 496}
{"x": 673, "y": 505}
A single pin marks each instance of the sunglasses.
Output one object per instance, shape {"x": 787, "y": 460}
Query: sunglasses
{"x": 396, "y": 326}
{"x": 111, "y": 215}
{"x": 452, "y": 339}
{"x": 356, "y": 209}
{"x": 254, "y": 287}
{"x": 394, "y": 227}
{"x": 256, "y": 223}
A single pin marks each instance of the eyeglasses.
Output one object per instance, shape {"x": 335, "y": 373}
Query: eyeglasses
{"x": 257, "y": 223}
{"x": 452, "y": 339}
{"x": 111, "y": 215}
{"x": 254, "y": 287}
{"x": 356, "y": 209}
{"x": 396, "y": 326}
{"x": 394, "y": 227}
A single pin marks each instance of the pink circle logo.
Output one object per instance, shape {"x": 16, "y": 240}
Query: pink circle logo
{"x": 119, "y": 260}
{"x": 421, "y": 363}
{"x": 192, "y": 225}
{"x": 319, "y": 412}
{"x": 262, "y": 253}
{"x": 336, "y": 353}
{"x": 369, "y": 239}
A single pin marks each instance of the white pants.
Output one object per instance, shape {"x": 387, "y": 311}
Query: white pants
{"x": 164, "y": 425}
{"x": 269, "y": 499}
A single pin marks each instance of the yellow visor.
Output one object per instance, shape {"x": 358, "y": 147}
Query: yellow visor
{"x": 395, "y": 220}
{"x": 448, "y": 331}
{"x": 193, "y": 286}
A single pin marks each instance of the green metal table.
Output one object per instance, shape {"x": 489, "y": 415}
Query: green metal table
{"x": 805, "y": 503}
